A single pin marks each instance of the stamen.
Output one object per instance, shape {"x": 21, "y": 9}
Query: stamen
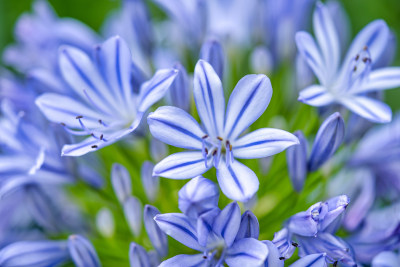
{"x": 94, "y": 146}
{"x": 79, "y": 117}
{"x": 103, "y": 123}
{"x": 282, "y": 258}
{"x": 335, "y": 263}
{"x": 220, "y": 138}
{"x": 294, "y": 244}
{"x": 62, "y": 124}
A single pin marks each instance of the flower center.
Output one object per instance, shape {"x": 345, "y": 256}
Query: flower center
{"x": 216, "y": 147}
{"x": 360, "y": 67}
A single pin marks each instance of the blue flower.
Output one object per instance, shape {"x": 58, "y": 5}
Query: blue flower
{"x": 386, "y": 259}
{"x": 349, "y": 83}
{"x": 219, "y": 142}
{"x": 82, "y": 252}
{"x": 215, "y": 234}
{"x": 104, "y": 105}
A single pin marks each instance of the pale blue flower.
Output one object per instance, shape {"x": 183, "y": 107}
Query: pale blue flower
{"x": 104, "y": 105}
{"x": 347, "y": 82}
{"x": 219, "y": 141}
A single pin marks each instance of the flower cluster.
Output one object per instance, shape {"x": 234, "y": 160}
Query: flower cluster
{"x": 98, "y": 129}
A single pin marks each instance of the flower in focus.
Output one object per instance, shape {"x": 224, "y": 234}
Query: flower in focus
{"x": 219, "y": 142}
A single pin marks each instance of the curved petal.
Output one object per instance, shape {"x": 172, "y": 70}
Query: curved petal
{"x": 368, "y": 108}
{"x": 375, "y": 36}
{"x": 182, "y": 165}
{"x": 328, "y": 40}
{"x": 312, "y": 260}
{"x": 263, "y": 143}
{"x": 82, "y": 252}
{"x": 138, "y": 256}
{"x": 63, "y": 109}
{"x": 83, "y": 76}
{"x": 121, "y": 182}
{"x": 227, "y": 223}
{"x": 380, "y": 79}
{"x": 179, "y": 227}
{"x": 273, "y": 259}
{"x": 246, "y": 252}
{"x": 310, "y": 52}
{"x": 196, "y": 260}
{"x": 157, "y": 238}
{"x": 155, "y": 88}
{"x": 237, "y": 181}
{"x": 316, "y": 95}
{"x": 249, "y": 226}
{"x": 175, "y": 127}
{"x": 114, "y": 61}
{"x": 209, "y": 97}
{"x": 247, "y": 102}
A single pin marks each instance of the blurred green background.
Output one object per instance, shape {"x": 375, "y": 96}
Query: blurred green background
{"x": 93, "y": 12}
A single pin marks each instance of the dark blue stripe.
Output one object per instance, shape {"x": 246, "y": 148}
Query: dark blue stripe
{"x": 229, "y": 216}
{"x": 182, "y": 165}
{"x": 154, "y": 86}
{"x": 180, "y": 227}
{"x": 118, "y": 68}
{"x": 178, "y": 128}
{"x": 247, "y": 103}
{"x": 211, "y": 99}
{"x": 235, "y": 178}
{"x": 260, "y": 143}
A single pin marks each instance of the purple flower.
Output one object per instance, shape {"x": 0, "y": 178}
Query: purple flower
{"x": 219, "y": 141}
{"x": 347, "y": 84}
{"x": 104, "y": 106}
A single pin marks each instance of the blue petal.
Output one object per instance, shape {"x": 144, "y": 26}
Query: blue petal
{"x": 138, "y": 256}
{"x": 368, "y": 108}
{"x": 262, "y": 143}
{"x": 336, "y": 206}
{"x": 63, "y": 109}
{"x": 205, "y": 233}
{"x": 34, "y": 254}
{"x": 311, "y": 54}
{"x": 82, "y": 75}
{"x": 246, "y": 252}
{"x": 213, "y": 53}
{"x": 179, "y": 227}
{"x": 328, "y": 40}
{"x": 273, "y": 259}
{"x": 180, "y": 90}
{"x": 182, "y": 165}
{"x": 105, "y": 222}
{"x": 380, "y": 79}
{"x": 237, "y": 181}
{"x": 157, "y": 237}
{"x": 316, "y": 95}
{"x": 121, "y": 182}
{"x": 248, "y": 101}
{"x": 133, "y": 214}
{"x": 386, "y": 259}
{"x": 329, "y": 138}
{"x": 158, "y": 150}
{"x": 196, "y": 260}
{"x": 375, "y": 36}
{"x": 82, "y": 252}
{"x": 151, "y": 184}
{"x": 296, "y": 157}
{"x": 209, "y": 98}
{"x": 175, "y": 127}
{"x": 303, "y": 224}
{"x": 249, "y": 226}
{"x": 114, "y": 61}
{"x": 198, "y": 196}
{"x": 312, "y": 260}
{"x": 227, "y": 223}
{"x": 154, "y": 89}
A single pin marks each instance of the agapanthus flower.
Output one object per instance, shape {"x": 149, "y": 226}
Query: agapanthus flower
{"x": 104, "y": 105}
{"x": 218, "y": 142}
{"x": 217, "y": 235}
{"x": 348, "y": 84}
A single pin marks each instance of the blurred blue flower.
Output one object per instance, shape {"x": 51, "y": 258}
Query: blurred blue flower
{"x": 215, "y": 235}
{"x": 34, "y": 253}
{"x": 213, "y": 53}
{"x": 219, "y": 143}
{"x": 104, "y": 106}
{"x": 82, "y": 252}
{"x": 296, "y": 157}
{"x": 386, "y": 259}
{"x": 151, "y": 184}
{"x": 347, "y": 84}
{"x": 157, "y": 237}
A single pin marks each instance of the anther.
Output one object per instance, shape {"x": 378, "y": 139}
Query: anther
{"x": 206, "y": 150}
{"x": 281, "y": 258}
{"x": 214, "y": 153}
{"x": 62, "y": 124}
{"x": 365, "y": 48}
{"x": 101, "y": 137}
{"x": 94, "y": 146}
{"x": 100, "y": 121}
{"x": 204, "y": 137}
{"x": 220, "y": 138}
{"x": 357, "y": 57}
{"x": 79, "y": 117}
{"x": 335, "y": 263}
{"x": 294, "y": 244}
{"x": 365, "y": 60}
{"x": 204, "y": 257}
{"x": 355, "y": 68}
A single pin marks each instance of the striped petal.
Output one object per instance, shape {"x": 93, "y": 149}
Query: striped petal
{"x": 196, "y": 260}
{"x": 263, "y": 142}
{"x": 175, "y": 127}
{"x": 209, "y": 98}
{"x": 316, "y": 95}
{"x": 179, "y": 227}
{"x": 246, "y": 252}
{"x": 157, "y": 237}
{"x": 237, "y": 181}
{"x": 248, "y": 101}
{"x": 138, "y": 256}
{"x": 82, "y": 252}
{"x": 154, "y": 89}
{"x": 368, "y": 108}
{"x": 182, "y": 165}
{"x": 249, "y": 226}
{"x": 312, "y": 260}
{"x": 227, "y": 223}
{"x": 121, "y": 182}
{"x": 380, "y": 79}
